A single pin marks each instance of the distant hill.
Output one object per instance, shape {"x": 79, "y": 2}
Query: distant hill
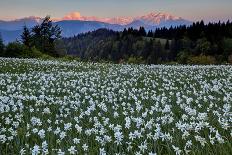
{"x": 10, "y": 30}
{"x": 74, "y": 27}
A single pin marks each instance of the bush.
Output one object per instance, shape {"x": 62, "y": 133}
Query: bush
{"x": 70, "y": 58}
{"x": 46, "y": 57}
{"x": 201, "y": 60}
{"x": 182, "y": 57}
{"x": 15, "y": 49}
{"x": 32, "y": 53}
{"x": 230, "y": 59}
{"x": 171, "y": 63}
{"x": 135, "y": 60}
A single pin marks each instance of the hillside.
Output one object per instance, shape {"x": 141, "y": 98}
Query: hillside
{"x": 182, "y": 44}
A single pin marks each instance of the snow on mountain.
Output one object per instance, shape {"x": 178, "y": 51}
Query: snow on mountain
{"x": 156, "y": 18}
{"x": 74, "y": 23}
{"x": 149, "y": 19}
{"x": 114, "y": 20}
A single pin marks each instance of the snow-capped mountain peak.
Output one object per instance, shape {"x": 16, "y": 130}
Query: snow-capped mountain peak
{"x": 151, "y": 18}
{"x": 156, "y": 18}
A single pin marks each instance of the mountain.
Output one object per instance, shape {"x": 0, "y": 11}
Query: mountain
{"x": 114, "y": 20}
{"x": 19, "y": 23}
{"x": 9, "y": 36}
{"x": 152, "y": 19}
{"x": 72, "y": 27}
{"x": 74, "y": 23}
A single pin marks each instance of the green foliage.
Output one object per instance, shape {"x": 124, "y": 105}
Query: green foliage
{"x": 230, "y": 59}
{"x": 171, "y": 63}
{"x": 180, "y": 44}
{"x": 26, "y": 37}
{"x": 201, "y": 60}
{"x": 33, "y": 53}
{"x": 1, "y": 46}
{"x": 135, "y": 60}
{"x": 46, "y": 57}
{"x": 70, "y": 58}
{"x": 60, "y": 48}
{"x": 167, "y": 46}
{"x": 203, "y": 46}
{"x": 16, "y": 49}
{"x": 45, "y": 35}
{"x": 158, "y": 109}
{"x": 227, "y": 45}
{"x": 182, "y": 57}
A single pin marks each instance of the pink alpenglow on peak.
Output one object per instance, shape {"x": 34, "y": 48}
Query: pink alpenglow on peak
{"x": 115, "y": 20}
{"x": 151, "y": 18}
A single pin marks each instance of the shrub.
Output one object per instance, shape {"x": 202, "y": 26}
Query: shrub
{"x": 46, "y": 57}
{"x": 31, "y": 53}
{"x": 201, "y": 60}
{"x": 182, "y": 57}
{"x": 70, "y": 58}
{"x": 230, "y": 59}
{"x": 15, "y": 49}
{"x": 135, "y": 60}
{"x": 171, "y": 63}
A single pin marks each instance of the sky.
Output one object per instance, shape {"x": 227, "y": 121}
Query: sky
{"x": 194, "y": 10}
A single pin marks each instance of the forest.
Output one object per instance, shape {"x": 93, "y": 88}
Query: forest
{"x": 198, "y": 43}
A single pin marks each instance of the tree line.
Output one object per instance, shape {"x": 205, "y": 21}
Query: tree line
{"x": 38, "y": 41}
{"x": 198, "y": 43}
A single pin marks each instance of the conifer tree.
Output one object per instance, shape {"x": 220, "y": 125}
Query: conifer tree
{"x": 1, "y": 46}
{"x": 45, "y": 35}
{"x": 26, "y": 37}
{"x": 167, "y": 46}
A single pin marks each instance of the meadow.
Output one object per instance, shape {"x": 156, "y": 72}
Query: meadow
{"x": 68, "y": 107}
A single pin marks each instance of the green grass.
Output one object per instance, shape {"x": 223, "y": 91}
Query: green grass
{"x": 162, "y": 102}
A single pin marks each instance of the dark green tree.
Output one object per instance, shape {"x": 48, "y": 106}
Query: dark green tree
{"x": 227, "y": 46}
{"x": 26, "y": 37}
{"x": 142, "y": 31}
{"x": 1, "y": 46}
{"x": 203, "y": 47}
{"x": 15, "y": 49}
{"x": 167, "y": 46}
{"x": 150, "y": 34}
{"x": 45, "y": 35}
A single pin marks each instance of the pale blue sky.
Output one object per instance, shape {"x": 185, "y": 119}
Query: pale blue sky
{"x": 210, "y": 10}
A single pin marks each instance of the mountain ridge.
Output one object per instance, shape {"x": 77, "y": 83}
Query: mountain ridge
{"x": 73, "y": 23}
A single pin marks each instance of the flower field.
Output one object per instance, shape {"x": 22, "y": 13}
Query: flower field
{"x": 59, "y": 107}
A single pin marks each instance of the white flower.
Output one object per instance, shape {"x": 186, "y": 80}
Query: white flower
{"x": 72, "y": 150}
{"x": 35, "y": 150}
{"x": 119, "y": 137}
{"x": 22, "y": 151}
{"x": 152, "y": 153}
{"x": 177, "y": 150}
{"x": 62, "y": 135}
{"x": 76, "y": 141}
{"x": 85, "y": 147}
{"x": 67, "y": 126}
{"x": 60, "y": 152}
{"x": 143, "y": 147}
{"x": 41, "y": 133}
{"x": 102, "y": 151}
